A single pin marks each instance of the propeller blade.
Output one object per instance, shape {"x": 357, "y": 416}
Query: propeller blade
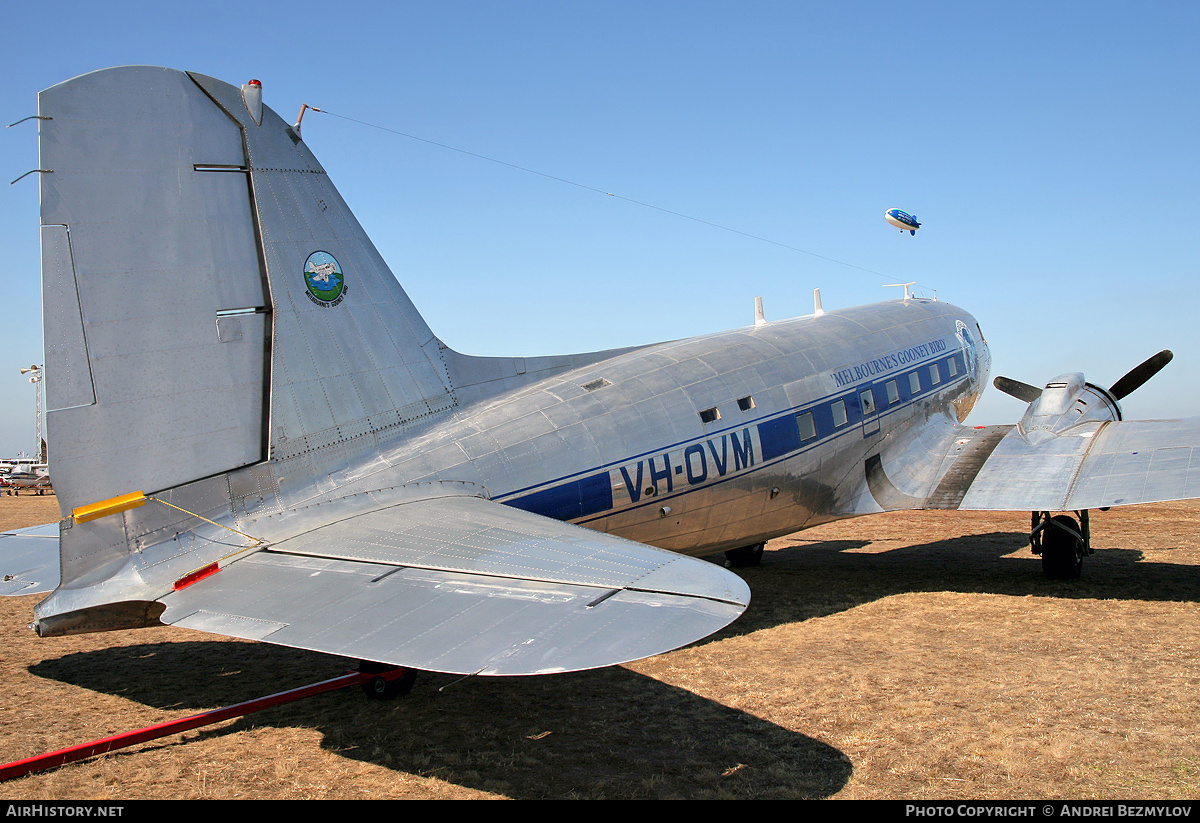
{"x": 1140, "y": 374}
{"x": 1019, "y": 390}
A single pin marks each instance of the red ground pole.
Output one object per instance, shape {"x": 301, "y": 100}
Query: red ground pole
{"x": 52, "y": 760}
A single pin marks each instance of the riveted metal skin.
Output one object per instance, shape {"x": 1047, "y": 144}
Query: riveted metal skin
{"x": 321, "y": 471}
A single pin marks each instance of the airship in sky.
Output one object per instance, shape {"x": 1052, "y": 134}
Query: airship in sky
{"x": 903, "y": 221}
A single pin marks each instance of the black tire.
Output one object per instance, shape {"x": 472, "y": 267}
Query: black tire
{"x": 381, "y": 688}
{"x": 745, "y": 556}
{"x": 1062, "y": 549}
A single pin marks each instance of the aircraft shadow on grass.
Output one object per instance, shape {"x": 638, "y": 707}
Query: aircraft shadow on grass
{"x": 814, "y": 579}
{"x": 607, "y": 732}
{"x": 610, "y": 733}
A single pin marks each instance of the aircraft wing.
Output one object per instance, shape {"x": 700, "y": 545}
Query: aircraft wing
{"x": 464, "y": 585}
{"x": 1088, "y": 466}
{"x": 29, "y": 562}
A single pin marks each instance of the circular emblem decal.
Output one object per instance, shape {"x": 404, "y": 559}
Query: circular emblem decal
{"x": 323, "y": 276}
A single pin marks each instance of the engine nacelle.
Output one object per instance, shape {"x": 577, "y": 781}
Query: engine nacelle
{"x": 1065, "y": 402}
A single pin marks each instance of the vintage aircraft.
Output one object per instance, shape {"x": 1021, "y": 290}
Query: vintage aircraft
{"x": 254, "y": 433}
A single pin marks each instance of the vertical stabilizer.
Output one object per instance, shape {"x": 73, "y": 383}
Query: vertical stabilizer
{"x": 352, "y": 359}
{"x": 141, "y": 253}
{"x": 210, "y": 302}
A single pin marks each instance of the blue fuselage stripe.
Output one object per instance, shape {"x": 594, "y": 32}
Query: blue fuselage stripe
{"x": 569, "y": 501}
{"x": 778, "y": 438}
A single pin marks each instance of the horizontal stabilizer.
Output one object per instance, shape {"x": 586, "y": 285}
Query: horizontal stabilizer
{"x": 468, "y": 586}
{"x": 29, "y": 560}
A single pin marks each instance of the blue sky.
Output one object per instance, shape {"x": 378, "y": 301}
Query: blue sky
{"x": 1049, "y": 149}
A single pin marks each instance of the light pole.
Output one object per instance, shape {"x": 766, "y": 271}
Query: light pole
{"x": 35, "y": 377}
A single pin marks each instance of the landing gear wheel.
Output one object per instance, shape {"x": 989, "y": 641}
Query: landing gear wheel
{"x": 381, "y": 687}
{"x": 745, "y": 556}
{"x": 1062, "y": 548}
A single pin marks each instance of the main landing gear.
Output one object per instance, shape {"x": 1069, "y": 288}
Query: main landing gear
{"x": 1062, "y": 542}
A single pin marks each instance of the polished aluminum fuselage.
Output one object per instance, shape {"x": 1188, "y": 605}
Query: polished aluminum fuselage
{"x": 255, "y": 409}
{"x": 631, "y": 445}
{"x": 254, "y": 432}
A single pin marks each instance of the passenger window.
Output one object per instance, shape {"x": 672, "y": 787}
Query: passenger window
{"x": 953, "y": 366}
{"x": 914, "y": 383}
{"x": 893, "y": 392}
{"x": 808, "y": 429}
{"x": 746, "y": 403}
{"x": 710, "y": 415}
{"x": 935, "y": 376}
{"x": 839, "y": 413}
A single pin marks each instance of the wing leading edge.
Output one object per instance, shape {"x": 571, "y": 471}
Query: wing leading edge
{"x": 464, "y": 585}
{"x": 1088, "y": 466}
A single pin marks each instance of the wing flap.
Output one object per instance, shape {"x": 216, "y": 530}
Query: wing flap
{"x": 464, "y": 585}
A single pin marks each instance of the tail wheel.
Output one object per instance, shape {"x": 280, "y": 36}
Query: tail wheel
{"x": 382, "y": 687}
{"x": 744, "y": 556}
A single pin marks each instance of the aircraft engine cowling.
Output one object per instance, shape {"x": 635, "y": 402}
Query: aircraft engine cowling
{"x": 1068, "y": 400}
{"x": 1065, "y": 402}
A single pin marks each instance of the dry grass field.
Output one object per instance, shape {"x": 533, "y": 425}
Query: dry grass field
{"x": 916, "y": 655}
